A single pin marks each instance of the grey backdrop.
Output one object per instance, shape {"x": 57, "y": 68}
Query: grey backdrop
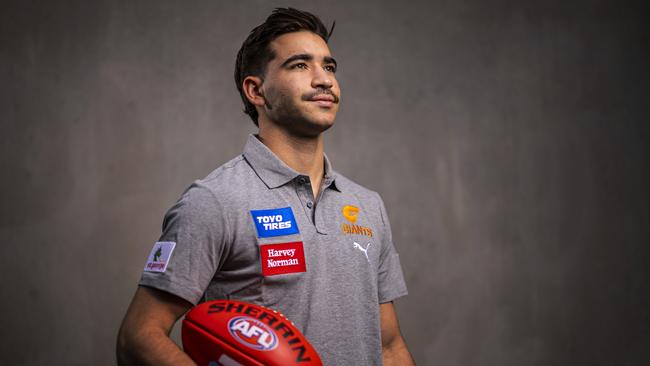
{"x": 509, "y": 140}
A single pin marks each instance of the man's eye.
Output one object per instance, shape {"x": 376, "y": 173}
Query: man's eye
{"x": 330, "y": 68}
{"x": 301, "y": 65}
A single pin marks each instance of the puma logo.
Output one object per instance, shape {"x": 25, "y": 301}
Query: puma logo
{"x": 365, "y": 251}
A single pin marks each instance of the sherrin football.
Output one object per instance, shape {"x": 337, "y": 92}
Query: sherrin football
{"x": 237, "y": 333}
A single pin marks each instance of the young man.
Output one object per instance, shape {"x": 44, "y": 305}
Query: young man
{"x": 277, "y": 226}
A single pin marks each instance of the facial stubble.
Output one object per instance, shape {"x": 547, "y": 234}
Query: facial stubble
{"x": 282, "y": 111}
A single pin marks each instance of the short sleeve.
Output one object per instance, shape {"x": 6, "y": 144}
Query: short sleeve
{"x": 198, "y": 227}
{"x": 390, "y": 278}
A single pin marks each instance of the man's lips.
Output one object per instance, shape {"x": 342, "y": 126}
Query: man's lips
{"x": 323, "y": 99}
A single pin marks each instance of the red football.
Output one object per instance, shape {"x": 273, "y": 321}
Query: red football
{"x": 237, "y": 333}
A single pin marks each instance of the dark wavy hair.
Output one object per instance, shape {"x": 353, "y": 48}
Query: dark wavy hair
{"x": 255, "y": 53}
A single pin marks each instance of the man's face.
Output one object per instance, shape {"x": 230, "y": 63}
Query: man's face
{"x": 300, "y": 88}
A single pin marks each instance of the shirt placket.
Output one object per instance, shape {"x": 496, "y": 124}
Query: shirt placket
{"x": 309, "y": 205}
{"x": 304, "y": 192}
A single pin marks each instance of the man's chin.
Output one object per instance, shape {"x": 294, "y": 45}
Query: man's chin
{"x": 306, "y": 126}
{"x": 312, "y": 129}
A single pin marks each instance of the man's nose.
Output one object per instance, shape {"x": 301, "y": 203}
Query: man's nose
{"x": 322, "y": 79}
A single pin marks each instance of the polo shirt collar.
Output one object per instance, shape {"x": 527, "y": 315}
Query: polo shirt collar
{"x": 273, "y": 171}
{"x": 329, "y": 180}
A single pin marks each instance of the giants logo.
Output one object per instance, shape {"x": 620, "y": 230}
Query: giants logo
{"x": 350, "y": 213}
{"x": 252, "y": 333}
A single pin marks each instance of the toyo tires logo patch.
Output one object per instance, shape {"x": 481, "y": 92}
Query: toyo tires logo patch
{"x": 252, "y": 333}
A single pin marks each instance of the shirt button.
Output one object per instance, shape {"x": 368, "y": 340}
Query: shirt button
{"x": 309, "y": 204}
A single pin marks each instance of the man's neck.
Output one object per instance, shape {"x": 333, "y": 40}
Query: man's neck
{"x": 302, "y": 154}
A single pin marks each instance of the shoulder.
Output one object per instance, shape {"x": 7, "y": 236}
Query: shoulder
{"x": 225, "y": 181}
{"x": 205, "y": 202}
{"x": 210, "y": 192}
{"x": 235, "y": 169}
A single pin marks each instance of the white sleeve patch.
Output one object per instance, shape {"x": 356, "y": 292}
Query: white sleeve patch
{"x": 159, "y": 256}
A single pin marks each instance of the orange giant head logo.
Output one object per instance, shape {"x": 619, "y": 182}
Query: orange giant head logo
{"x": 350, "y": 213}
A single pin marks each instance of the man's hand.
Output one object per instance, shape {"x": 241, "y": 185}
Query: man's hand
{"x": 394, "y": 348}
{"x": 143, "y": 338}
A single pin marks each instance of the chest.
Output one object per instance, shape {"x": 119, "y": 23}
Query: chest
{"x": 284, "y": 234}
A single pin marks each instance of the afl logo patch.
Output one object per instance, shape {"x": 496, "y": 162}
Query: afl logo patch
{"x": 252, "y": 333}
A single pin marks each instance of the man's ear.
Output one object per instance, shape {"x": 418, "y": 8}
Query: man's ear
{"x": 252, "y": 86}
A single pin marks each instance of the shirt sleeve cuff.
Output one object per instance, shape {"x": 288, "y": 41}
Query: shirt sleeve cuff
{"x": 189, "y": 294}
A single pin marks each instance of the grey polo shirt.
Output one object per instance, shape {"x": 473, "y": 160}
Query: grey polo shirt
{"x": 252, "y": 231}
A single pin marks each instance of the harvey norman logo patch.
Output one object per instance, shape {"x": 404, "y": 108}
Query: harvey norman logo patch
{"x": 350, "y": 213}
{"x": 159, "y": 256}
{"x": 274, "y": 222}
{"x": 282, "y": 258}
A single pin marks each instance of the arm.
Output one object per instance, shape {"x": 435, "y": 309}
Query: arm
{"x": 393, "y": 346}
{"x": 143, "y": 338}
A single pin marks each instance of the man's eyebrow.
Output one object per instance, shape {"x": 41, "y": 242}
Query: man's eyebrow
{"x": 308, "y": 57}
{"x": 302, "y": 56}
